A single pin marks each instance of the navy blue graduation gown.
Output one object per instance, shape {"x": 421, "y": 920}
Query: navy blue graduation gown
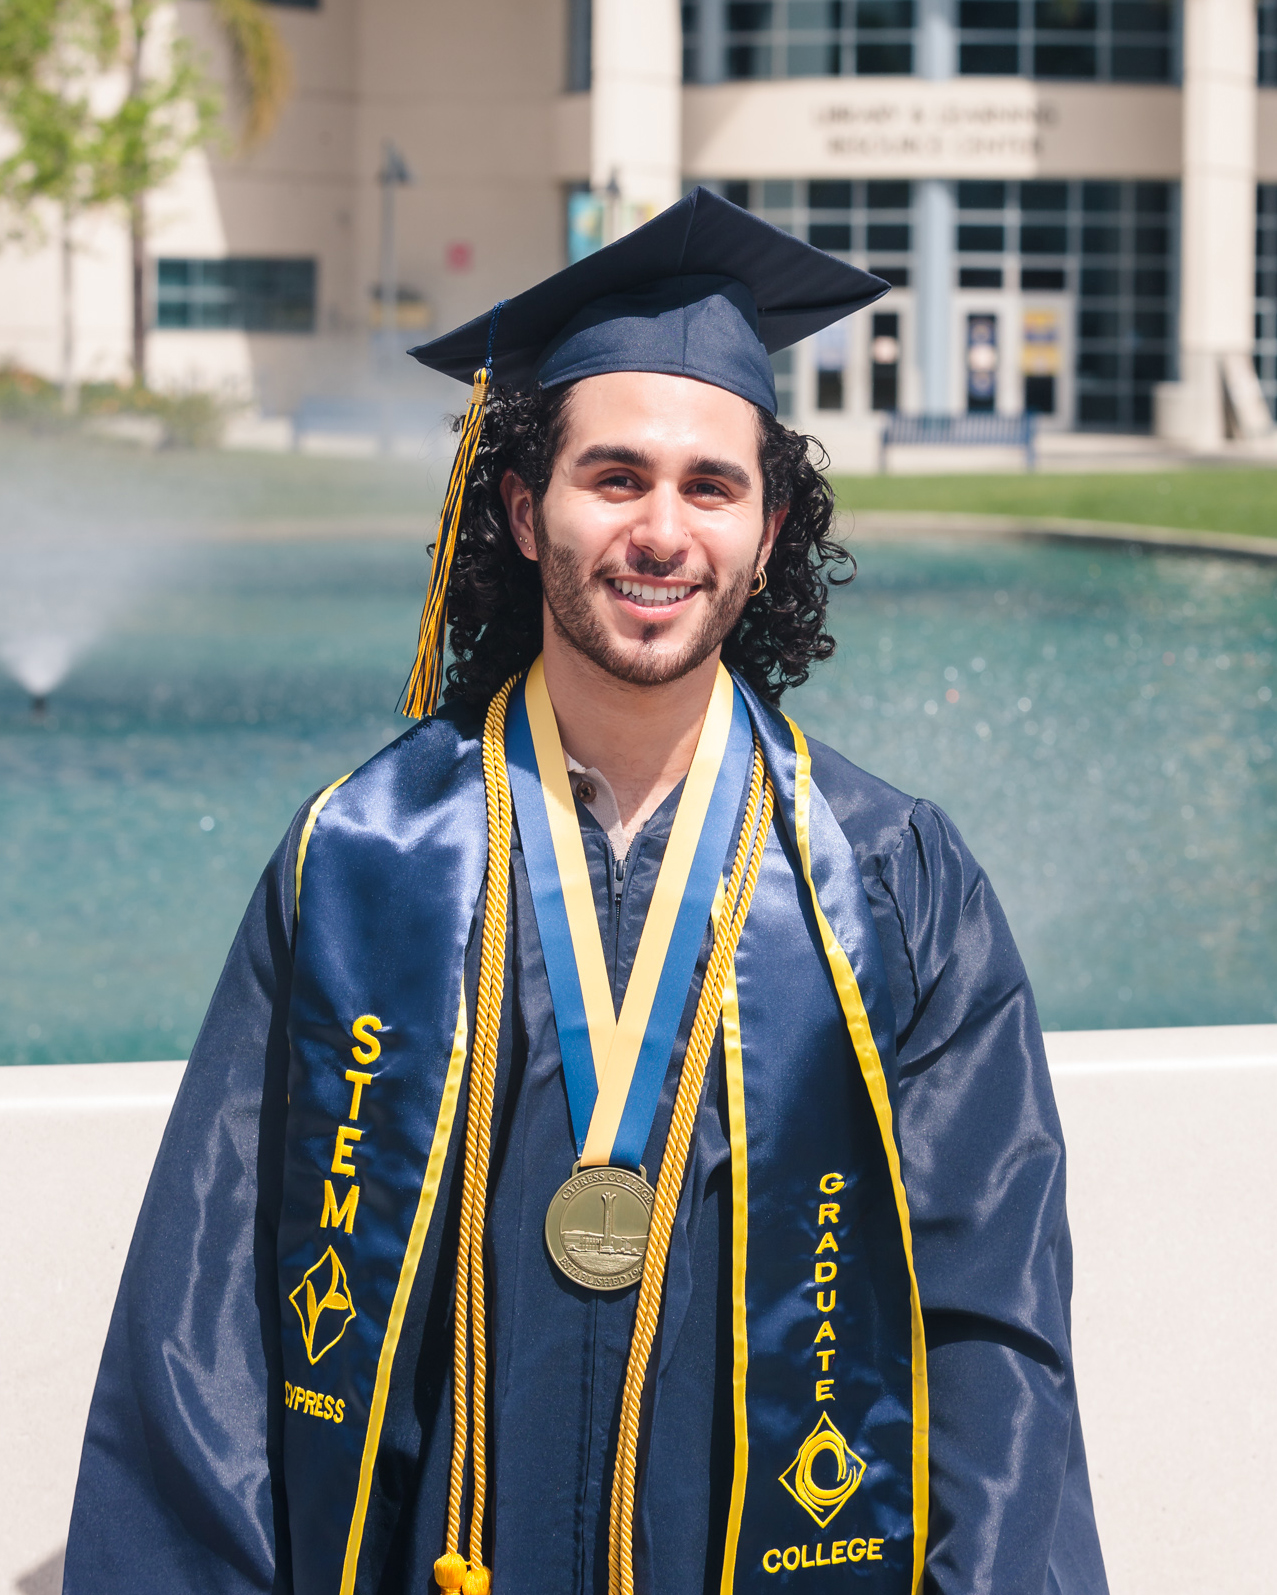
{"x": 182, "y": 1484}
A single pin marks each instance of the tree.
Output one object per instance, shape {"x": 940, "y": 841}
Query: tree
{"x": 169, "y": 109}
{"x": 51, "y": 54}
{"x": 103, "y": 99}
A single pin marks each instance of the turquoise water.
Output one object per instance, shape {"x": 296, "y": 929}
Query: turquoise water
{"x": 1099, "y": 721}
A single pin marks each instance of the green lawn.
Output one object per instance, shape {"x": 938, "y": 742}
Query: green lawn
{"x": 1224, "y": 500}
{"x": 71, "y": 477}
{"x": 47, "y": 477}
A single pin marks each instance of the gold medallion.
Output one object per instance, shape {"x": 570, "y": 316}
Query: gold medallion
{"x": 596, "y": 1226}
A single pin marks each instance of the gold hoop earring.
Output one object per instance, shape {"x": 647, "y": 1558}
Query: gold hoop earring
{"x": 760, "y": 581}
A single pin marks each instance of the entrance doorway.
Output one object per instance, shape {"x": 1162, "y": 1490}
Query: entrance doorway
{"x": 982, "y": 364}
{"x": 1040, "y": 344}
{"x": 884, "y": 358}
{"x": 1014, "y": 354}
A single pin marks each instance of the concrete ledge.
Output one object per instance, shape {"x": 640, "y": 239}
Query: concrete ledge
{"x": 1173, "y": 1203}
{"x": 868, "y": 525}
{"x": 903, "y": 525}
{"x": 80, "y": 1140}
{"x": 1212, "y": 1047}
{"x": 1173, "y": 1208}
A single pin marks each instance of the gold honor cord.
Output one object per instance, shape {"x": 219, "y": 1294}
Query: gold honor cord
{"x": 669, "y": 1185}
{"x": 452, "y": 1570}
{"x": 616, "y": 1043}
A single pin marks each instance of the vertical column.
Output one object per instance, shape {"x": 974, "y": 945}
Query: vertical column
{"x": 711, "y": 66}
{"x": 636, "y": 109}
{"x": 935, "y": 41}
{"x": 933, "y": 295}
{"x": 1217, "y": 234}
{"x": 935, "y": 57}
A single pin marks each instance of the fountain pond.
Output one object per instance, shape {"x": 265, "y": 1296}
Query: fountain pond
{"x": 1098, "y": 719}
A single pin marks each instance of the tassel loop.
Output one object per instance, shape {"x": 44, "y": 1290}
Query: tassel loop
{"x": 426, "y": 680}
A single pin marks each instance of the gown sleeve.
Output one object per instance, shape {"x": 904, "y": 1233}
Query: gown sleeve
{"x": 983, "y": 1159}
{"x": 180, "y": 1484}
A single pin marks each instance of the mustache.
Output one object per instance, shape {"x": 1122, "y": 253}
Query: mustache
{"x": 664, "y": 570}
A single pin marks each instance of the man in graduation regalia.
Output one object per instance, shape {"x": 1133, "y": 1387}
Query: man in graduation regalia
{"x": 620, "y": 1154}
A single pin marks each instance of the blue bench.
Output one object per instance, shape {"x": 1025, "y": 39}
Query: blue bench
{"x": 1015, "y": 431}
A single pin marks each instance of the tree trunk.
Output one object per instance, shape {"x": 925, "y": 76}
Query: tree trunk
{"x": 70, "y": 387}
{"x": 137, "y": 247}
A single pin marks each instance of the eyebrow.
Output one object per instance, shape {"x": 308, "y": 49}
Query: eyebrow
{"x": 622, "y": 454}
{"x": 615, "y": 454}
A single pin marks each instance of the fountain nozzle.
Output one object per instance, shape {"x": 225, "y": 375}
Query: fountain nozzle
{"x": 39, "y": 705}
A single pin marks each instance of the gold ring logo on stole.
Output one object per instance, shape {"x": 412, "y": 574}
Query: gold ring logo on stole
{"x": 323, "y": 1304}
{"x": 819, "y": 1501}
{"x": 597, "y": 1225}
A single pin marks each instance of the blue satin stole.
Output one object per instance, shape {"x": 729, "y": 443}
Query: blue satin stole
{"x": 828, "y": 1362}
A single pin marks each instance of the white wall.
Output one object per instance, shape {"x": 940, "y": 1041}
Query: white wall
{"x": 912, "y": 127}
{"x": 1173, "y": 1201}
{"x": 469, "y": 94}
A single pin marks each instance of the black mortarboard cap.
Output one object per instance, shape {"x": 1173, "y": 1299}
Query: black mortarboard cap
{"x": 704, "y": 290}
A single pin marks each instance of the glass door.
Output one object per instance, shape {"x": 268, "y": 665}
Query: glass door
{"x": 982, "y": 363}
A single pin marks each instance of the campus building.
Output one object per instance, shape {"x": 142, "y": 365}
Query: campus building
{"x": 1074, "y": 200}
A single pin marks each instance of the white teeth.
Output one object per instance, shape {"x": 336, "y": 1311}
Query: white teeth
{"x": 645, "y": 593}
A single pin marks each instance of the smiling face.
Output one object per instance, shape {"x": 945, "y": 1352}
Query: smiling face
{"x": 651, "y": 529}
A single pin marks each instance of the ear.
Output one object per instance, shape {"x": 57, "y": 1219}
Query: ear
{"x": 771, "y": 532}
{"x": 517, "y": 498}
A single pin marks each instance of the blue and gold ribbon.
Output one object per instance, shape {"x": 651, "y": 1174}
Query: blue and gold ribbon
{"x": 613, "y": 1066}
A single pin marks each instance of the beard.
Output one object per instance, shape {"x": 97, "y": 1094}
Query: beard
{"x": 568, "y": 588}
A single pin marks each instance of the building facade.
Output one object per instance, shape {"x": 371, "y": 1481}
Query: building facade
{"x": 1074, "y": 200}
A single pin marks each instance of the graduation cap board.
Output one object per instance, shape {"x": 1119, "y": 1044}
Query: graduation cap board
{"x": 704, "y": 290}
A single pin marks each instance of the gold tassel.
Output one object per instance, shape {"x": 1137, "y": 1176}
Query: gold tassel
{"x": 427, "y": 672}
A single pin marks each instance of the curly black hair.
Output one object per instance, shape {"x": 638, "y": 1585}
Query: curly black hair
{"x": 494, "y": 594}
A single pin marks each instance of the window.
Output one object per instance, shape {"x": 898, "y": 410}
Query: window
{"x": 1267, "y": 43}
{"x": 737, "y": 39}
{"x": 1114, "y": 244}
{"x": 1112, "y": 41}
{"x": 884, "y": 357}
{"x": 580, "y": 35}
{"x": 869, "y": 223}
{"x": 979, "y": 276}
{"x": 783, "y": 372}
{"x": 831, "y": 363}
{"x": 980, "y": 239}
{"x": 249, "y": 295}
{"x": 1266, "y": 291}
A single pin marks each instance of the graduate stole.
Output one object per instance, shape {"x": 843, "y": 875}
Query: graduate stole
{"x": 829, "y": 1373}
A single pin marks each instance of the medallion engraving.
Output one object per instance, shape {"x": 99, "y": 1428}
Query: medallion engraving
{"x": 597, "y": 1225}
